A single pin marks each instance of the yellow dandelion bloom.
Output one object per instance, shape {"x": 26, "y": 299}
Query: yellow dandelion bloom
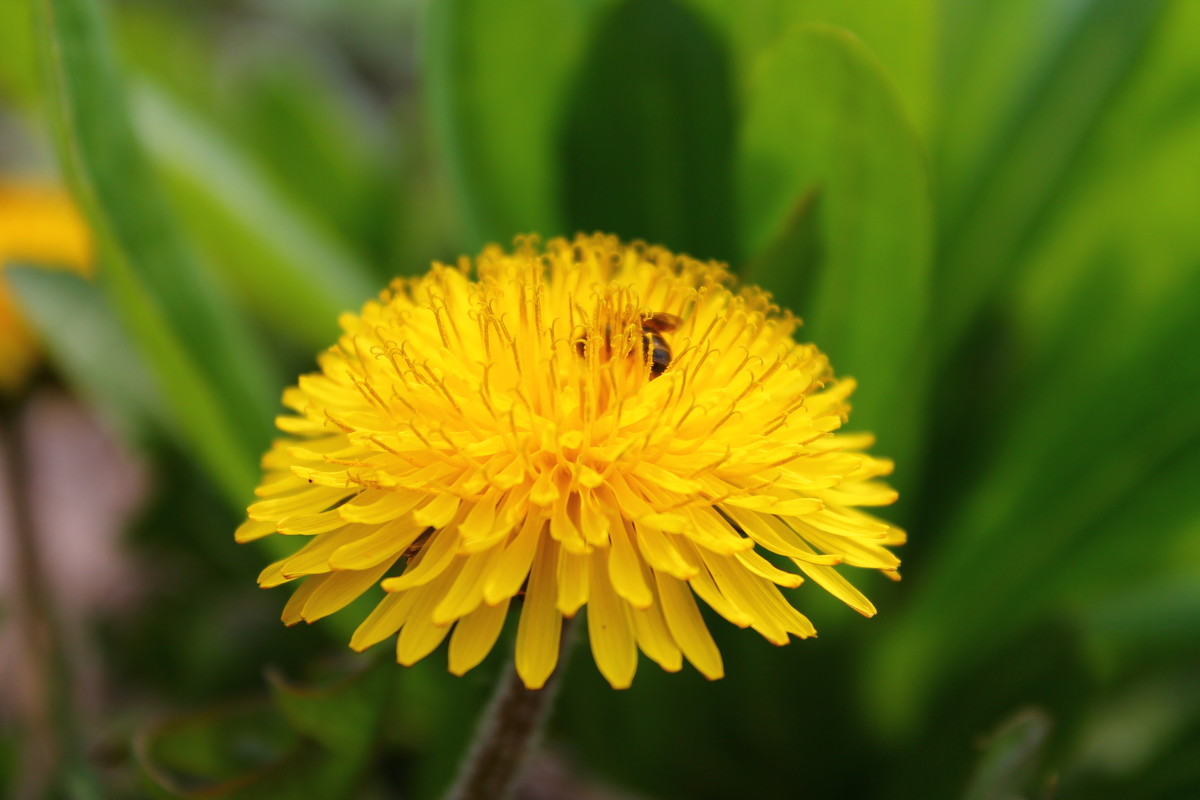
{"x": 588, "y": 423}
{"x": 38, "y": 225}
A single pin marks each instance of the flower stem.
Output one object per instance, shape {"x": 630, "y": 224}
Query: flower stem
{"x": 508, "y": 733}
{"x": 53, "y": 743}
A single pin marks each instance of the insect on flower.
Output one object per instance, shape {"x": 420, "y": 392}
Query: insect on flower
{"x": 588, "y": 423}
{"x": 655, "y": 349}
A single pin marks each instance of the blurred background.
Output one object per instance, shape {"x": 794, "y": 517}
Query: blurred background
{"x": 985, "y": 212}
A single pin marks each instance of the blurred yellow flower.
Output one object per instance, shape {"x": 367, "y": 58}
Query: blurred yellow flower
{"x": 591, "y": 423}
{"x": 39, "y": 225}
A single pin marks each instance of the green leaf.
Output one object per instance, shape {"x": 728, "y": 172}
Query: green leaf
{"x": 825, "y": 147}
{"x": 992, "y": 53}
{"x": 218, "y": 386}
{"x": 1011, "y": 196}
{"x": 182, "y": 49}
{"x": 1139, "y": 740}
{"x": 498, "y": 76}
{"x": 308, "y": 743}
{"x": 1076, "y": 474}
{"x": 1079, "y": 445}
{"x": 1010, "y": 758}
{"x": 235, "y": 752}
{"x": 299, "y": 278}
{"x": 648, "y": 133}
{"x": 18, "y": 77}
{"x": 902, "y": 33}
{"x": 318, "y": 135}
{"x": 195, "y": 409}
{"x": 1157, "y": 616}
{"x": 77, "y": 328}
{"x": 344, "y": 716}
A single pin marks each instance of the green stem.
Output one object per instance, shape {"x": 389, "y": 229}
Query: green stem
{"x": 508, "y": 733}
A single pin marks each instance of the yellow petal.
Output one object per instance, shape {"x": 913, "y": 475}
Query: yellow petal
{"x": 435, "y": 557}
{"x": 625, "y": 567}
{"x": 666, "y": 479}
{"x": 545, "y": 491}
{"x": 781, "y": 505}
{"x": 513, "y": 567}
{"x": 660, "y": 553}
{"x": 511, "y": 513}
{"x": 465, "y": 595}
{"x": 540, "y": 626}
{"x": 340, "y": 589}
{"x": 654, "y": 638}
{"x": 609, "y": 629}
{"x": 279, "y": 483}
{"x": 310, "y": 559}
{"x": 250, "y": 530}
{"x": 377, "y": 507}
{"x": 596, "y": 521}
{"x": 768, "y": 531}
{"x": 303, "y": 426}
{"x": 713, "y": 531}
{"x": 831, "y": 581}
{"x": 573, "y": 578}
{"x": 438, "y": 512}
{"x": 420, "y": 635}
{"x": 706, "y": 588}
{"x": 475, "y": 635}
{"x": 865, "y": 493}
{"x": 310, "y": 500}
{"x": 765, "y": 569}
{"x": 295, "y": 604}
{"x": 509, "y": 476}
{"x": 314, "y": 449}
{"x": 369, "y": 549}
{"x": 857, "y": 551}
{"x": 392, "y": 612}
{"x": 735, "y": 583}
{"x": 563, "y": 527}
{"x": 311, "y": 524}
{"x": 791, "y": 619}
{"x": 478, "y": 522}
{"x": 848, "y": 520}
{"x": 687, "y": 626}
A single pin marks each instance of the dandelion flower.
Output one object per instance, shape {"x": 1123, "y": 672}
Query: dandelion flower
{"x": 585, "y": 424}
{"x": 38, "y": 225}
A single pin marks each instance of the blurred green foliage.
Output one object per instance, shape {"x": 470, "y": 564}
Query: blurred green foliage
{"x": 984, "y": 211}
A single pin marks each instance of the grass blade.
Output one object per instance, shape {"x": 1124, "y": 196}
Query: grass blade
{"x": 299, "y": 278}
{"x": 835, "y": 213}
{"x": 499, "y": 74}
{"x": 217, "y": 384}
{"x": 1012, "y": 197}
{"x": 76, "y": 326}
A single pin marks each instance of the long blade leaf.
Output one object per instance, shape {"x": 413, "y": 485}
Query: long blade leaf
{"x": 835, "y": 212}
{"x": 217, "y": 384}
